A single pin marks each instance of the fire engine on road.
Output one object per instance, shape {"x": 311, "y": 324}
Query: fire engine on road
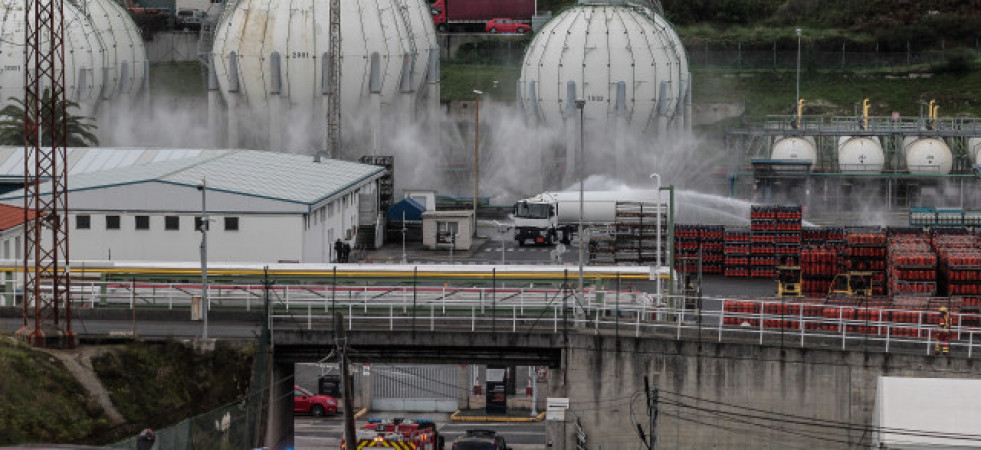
{"x": 400, "y": 434}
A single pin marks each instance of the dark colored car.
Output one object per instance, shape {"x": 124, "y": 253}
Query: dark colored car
{"x": 506, "y": 26}
{"x": 480, "y": 440}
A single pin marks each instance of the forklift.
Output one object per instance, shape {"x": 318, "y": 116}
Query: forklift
{"x": 789, "y": 281}
{"x": 851, "y": 284}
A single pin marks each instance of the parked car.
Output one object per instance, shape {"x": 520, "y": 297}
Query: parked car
{"x": 305, "y": 401}
{"x": 190, "y": 19}
{"x": 506, "y": 26}
{"x": 480, "y": 440}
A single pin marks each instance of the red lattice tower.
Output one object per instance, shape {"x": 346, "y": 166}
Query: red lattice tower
{"x": 46, "y": 276}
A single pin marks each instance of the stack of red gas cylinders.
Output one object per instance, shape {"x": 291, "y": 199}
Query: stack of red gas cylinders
{"x": 912, "y": 265}
{"x": 959, "y": 263}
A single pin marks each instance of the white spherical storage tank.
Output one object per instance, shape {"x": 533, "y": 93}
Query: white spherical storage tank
{"x": 794, "y": 149}
{"x": 85, "y": 55}
{"x": 928, "y": 156}
{"x": 625, "y": 61}
{"x": 125, "y": 53}
{"x": 270, "y": 63}
{"x": 860, "y": 155}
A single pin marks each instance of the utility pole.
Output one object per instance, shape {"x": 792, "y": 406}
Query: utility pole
{"x": 203, "y": 187}
{"x": 651, "y": 412}
{"x": 340, "y": 340}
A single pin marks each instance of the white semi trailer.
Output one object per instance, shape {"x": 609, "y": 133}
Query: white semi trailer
{"x": 552, "y": 217}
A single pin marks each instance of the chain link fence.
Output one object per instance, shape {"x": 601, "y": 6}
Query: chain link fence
{"x": 738, "y": 56}
{"x": 231, "y": 427}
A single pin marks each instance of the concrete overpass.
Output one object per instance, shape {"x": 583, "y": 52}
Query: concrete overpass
{"x": 736, "y": 393}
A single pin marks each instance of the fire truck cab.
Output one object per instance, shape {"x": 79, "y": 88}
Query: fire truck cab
{"x": 397, "y": 433}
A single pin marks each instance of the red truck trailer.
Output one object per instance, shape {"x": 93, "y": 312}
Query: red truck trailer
{"x": 472, "y": 15}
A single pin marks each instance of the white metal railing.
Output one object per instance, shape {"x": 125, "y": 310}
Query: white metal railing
{"x": 510, "y": 309}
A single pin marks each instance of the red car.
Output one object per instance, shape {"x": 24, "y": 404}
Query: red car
{"x": 305, "y": 401}
{"x": 506, "y": 26}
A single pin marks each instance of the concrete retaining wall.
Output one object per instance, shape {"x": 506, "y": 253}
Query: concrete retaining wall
{"x": 605, "y": 384}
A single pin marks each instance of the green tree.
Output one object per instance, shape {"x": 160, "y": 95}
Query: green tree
{"x": 13, "y": 128}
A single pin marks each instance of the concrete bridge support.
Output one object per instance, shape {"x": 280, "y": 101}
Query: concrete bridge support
{"x": 705, "y": 390}
{"x": 279, "y": 417}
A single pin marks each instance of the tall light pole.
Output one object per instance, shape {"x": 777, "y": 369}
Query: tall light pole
{"x": 476, "y": 153}
{"x": 799, "y": 31}
{"x": 203, "y": 228}
{"x": 656, "y": 176}
{"x": 581, "y": 106}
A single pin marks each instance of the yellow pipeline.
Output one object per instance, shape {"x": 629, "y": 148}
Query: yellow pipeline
{"x": 800, "y": 112}
{"x": 865, "y": 114}
{"x": 930, "y": 109}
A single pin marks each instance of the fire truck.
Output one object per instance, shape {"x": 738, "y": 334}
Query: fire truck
{"x": 399, "y": 434}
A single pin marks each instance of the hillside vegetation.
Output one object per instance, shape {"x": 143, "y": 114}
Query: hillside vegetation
{"x": 891, "y": 23}
{"x": 152, "y": 384}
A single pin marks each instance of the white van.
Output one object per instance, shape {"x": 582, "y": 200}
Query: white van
{"x": 189, "y": 19}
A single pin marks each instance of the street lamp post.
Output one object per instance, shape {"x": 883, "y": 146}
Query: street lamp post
{"x": 404, "y": 259}
{"x": 581, "y": 106}
{"x": 799, "y": 31}
{"x": 476, "y": 153}
{"x": 656, "y": 176}
{"x": 203, "y": 187}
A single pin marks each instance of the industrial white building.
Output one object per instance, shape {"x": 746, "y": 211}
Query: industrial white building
{"x": 144, "y": 204}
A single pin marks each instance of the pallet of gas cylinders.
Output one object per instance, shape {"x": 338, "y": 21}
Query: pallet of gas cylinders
{"x": 912, "y": 263}
{"x": 958, "y": 261}
{"x": 897, "y": 317}
{"x": 700, "y": 247}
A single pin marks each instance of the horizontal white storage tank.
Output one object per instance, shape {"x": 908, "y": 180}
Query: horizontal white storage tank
{"x": 794, "y": 149}
{"x": 974, "y": 149}
{"x": 860, "y": 155}
{"x": 625, "y": 61}
{"x": 928, "y": 156}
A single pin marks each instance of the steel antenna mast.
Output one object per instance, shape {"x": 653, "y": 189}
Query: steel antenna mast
{"x": 47, "y": 312}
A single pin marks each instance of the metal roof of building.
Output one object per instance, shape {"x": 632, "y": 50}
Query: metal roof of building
{"x": 273, "y": 175}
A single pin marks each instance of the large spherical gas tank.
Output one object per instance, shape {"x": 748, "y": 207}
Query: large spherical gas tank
{"x": 794, "y": 149}
{"x": 602, "y": 52}
{"x": 974, "y": 149}
{"x": 125, "y": 61}
{"x": 299, "y": 31}
{"x": 928, "y": 156}
{"x": 84, "y": 55}
{"x": 860, "y": 155}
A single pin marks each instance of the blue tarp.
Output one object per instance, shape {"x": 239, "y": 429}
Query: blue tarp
{"x": 413, "y": 211}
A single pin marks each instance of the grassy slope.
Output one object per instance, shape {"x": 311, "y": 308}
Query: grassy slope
{"x": 151, "y": 384}
{"x": 836, "y": 93}
{"x": 41, "y": 401}
{"x": 157, "y": 385}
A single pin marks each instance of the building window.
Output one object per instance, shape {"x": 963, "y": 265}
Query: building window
{"x": 446, "y": 232}
{"x": 83, "y": 222}
{"x": 142, "y": 222}
{"x": 6, "y": 249}
{"x": 231, "y": 224}
{"x": 172, "y": 223}
{"x": 112, "y": 222}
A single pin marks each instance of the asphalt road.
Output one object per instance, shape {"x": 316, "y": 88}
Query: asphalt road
{"x": 325, "y": 432}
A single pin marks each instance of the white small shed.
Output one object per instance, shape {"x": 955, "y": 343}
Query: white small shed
{"x": 443, "y": 229}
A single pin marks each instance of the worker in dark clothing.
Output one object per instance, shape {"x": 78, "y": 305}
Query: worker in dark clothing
{"x": 146, "y": 439}
{"x": 339, "y": 251}
{"x": 347, "y": 252}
